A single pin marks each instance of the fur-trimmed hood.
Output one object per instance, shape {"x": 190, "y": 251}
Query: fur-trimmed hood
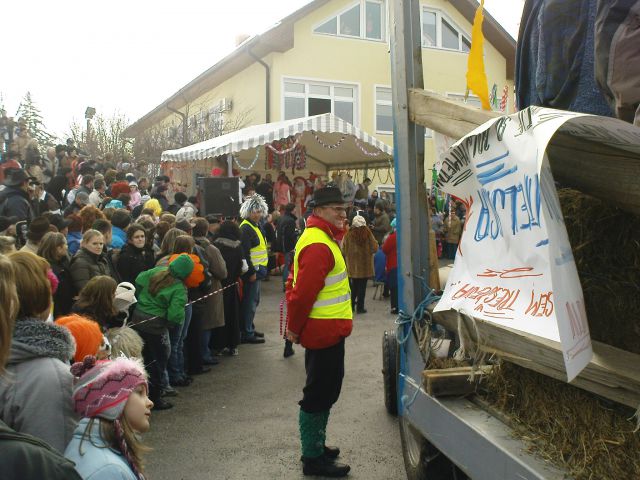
{"x": 227, "y": 242}
{"x": 33, "y": 338}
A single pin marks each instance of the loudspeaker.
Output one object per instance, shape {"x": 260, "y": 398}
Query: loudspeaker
{"x": 219, "y": 196}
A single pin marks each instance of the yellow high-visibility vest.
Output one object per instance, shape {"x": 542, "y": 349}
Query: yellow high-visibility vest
{"x": 259, "y": 255}
{"x": 334, "y": 300}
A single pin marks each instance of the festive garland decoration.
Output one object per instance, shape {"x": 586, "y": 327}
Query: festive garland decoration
{"x": 493, "y": 97}
{"x": 250, "y": 167}
{"x": 505, "y": 97}
{"x": 326, "y": 145}
{"x": 389, "y": 175}
{"x": 288, "y": 150}
{"x": 284, "y": 319}
{"x": 364, "y": 151}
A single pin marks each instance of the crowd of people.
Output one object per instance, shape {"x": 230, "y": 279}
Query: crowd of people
{"x": 104, "y": 271}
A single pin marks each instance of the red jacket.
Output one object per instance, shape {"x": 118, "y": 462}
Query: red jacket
{"x": 389, "y": 248}
{"x": 314, "y": 262}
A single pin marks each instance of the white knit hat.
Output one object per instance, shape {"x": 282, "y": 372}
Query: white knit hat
{"x": 358, "y": 221}
{"x": 125, "y": 296}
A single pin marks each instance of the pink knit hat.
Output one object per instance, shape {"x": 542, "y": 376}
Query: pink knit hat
{"x": 103, "y": 387}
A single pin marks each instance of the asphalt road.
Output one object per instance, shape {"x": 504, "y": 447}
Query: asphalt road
{"x": 240, "y": 421}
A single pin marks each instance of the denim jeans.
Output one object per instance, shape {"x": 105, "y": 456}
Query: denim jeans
{"x": 177, "y": 334}
{"x": 248, "y": 307}
{"x": 205, "y": 339}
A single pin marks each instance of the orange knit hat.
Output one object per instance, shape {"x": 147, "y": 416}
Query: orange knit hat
{"x": 86, "y": 333}
{"x": 197, "y": 274}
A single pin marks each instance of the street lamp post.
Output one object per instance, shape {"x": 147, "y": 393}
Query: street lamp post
{"x": 88, "y": 115}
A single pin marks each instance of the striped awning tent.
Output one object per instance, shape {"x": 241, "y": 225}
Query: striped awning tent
{"x": 329, "y": 140}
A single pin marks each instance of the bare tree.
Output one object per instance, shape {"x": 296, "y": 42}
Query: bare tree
{"x": 152, "y": 142}
{"x": 105, "y": 136}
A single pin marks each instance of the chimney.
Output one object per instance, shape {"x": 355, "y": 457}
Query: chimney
{"x": 241, "y": 38}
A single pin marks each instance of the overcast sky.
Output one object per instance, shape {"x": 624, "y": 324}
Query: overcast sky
{"x": 128, "y": 56}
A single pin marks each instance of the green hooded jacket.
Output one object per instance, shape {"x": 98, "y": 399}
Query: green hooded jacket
{"x": 168, "y": 303}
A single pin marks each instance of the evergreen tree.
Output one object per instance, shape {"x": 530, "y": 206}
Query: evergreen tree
{"x": 28, "y": 111}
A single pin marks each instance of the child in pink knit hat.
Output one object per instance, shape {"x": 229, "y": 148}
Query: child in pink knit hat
{"x": 111, "y": 397}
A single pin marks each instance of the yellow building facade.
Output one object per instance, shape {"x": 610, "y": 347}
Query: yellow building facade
{"x": 333, "y": 56}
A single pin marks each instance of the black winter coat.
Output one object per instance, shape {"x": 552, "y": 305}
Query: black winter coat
{"x": 25, "y": 456}
{"x": 15, "y": 202}
{"x": 86, "y": 265}
{"x": 63, "y": 298}
{"x": 132, "y": 261}
{"x": 56, "y": 185}
{"x": 286, "y": 233}
{"x": 232, "y": 254}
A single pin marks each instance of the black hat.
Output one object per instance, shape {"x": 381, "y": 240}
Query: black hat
{"x": 16, "y": 176}
{"x": 184, "y": 225}
{"x": 38, "y": 228}
{"x": 57, "y": 221}
{"x": 6, "y": 222}
{"x": 327, "y": 196}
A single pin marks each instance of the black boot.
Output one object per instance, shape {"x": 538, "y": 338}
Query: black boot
{"x": 331, "y": 452}
{"x": 288, "y": 349}
{"x": 324, "y": 467}
{"x": 162, "y": 404}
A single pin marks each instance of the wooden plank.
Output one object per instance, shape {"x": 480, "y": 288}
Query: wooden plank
{"x": 453, "y": 381}
{"x": 612, "y": 373}
{"x": 596, "y": 169}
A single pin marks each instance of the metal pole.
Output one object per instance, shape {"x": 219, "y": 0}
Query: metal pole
{"x": 88, "y": 139}
{"x": 408, "y": 141}
{"x": 267, "y": 84}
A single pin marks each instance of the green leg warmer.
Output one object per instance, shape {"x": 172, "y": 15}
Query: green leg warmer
{"x": 313, "y": 432}
{"x": 325, "y": 420}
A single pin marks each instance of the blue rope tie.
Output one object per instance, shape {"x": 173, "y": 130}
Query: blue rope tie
{"x": 407, "y": 404}
{"x": 418, "y": 314}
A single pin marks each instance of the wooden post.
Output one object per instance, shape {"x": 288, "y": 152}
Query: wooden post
{"x": 412, "y": 225}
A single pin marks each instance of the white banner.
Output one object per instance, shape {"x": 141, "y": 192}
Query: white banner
{"x": 514, "y": 264}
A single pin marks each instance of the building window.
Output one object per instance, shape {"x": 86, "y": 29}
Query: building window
{"x": 439, "y": 31}
{"x": 365, "y": 19}
{"x": 306, "y": 98}
{"x": 384, "y": 112}
{"x": 350, "y": 22}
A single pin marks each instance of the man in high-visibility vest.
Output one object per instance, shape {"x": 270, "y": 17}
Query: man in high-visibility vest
{"x": 254, "y": 246}
{"x": 320, "y": 318}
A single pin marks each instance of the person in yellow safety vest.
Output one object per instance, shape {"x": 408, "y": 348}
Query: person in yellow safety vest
{"x": 320, "y": 318}
{"x": 254, "y": 248}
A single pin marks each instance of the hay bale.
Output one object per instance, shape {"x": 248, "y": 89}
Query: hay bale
{"x": 606, "y": 247}
{"x": 589, "y": 438}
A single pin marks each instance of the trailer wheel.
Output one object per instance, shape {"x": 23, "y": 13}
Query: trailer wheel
{"x": 423, "y": 461}
{"x": 390, "y": 371}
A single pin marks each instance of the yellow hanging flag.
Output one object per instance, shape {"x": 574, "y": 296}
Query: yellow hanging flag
{"x": 476, "y": 76}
